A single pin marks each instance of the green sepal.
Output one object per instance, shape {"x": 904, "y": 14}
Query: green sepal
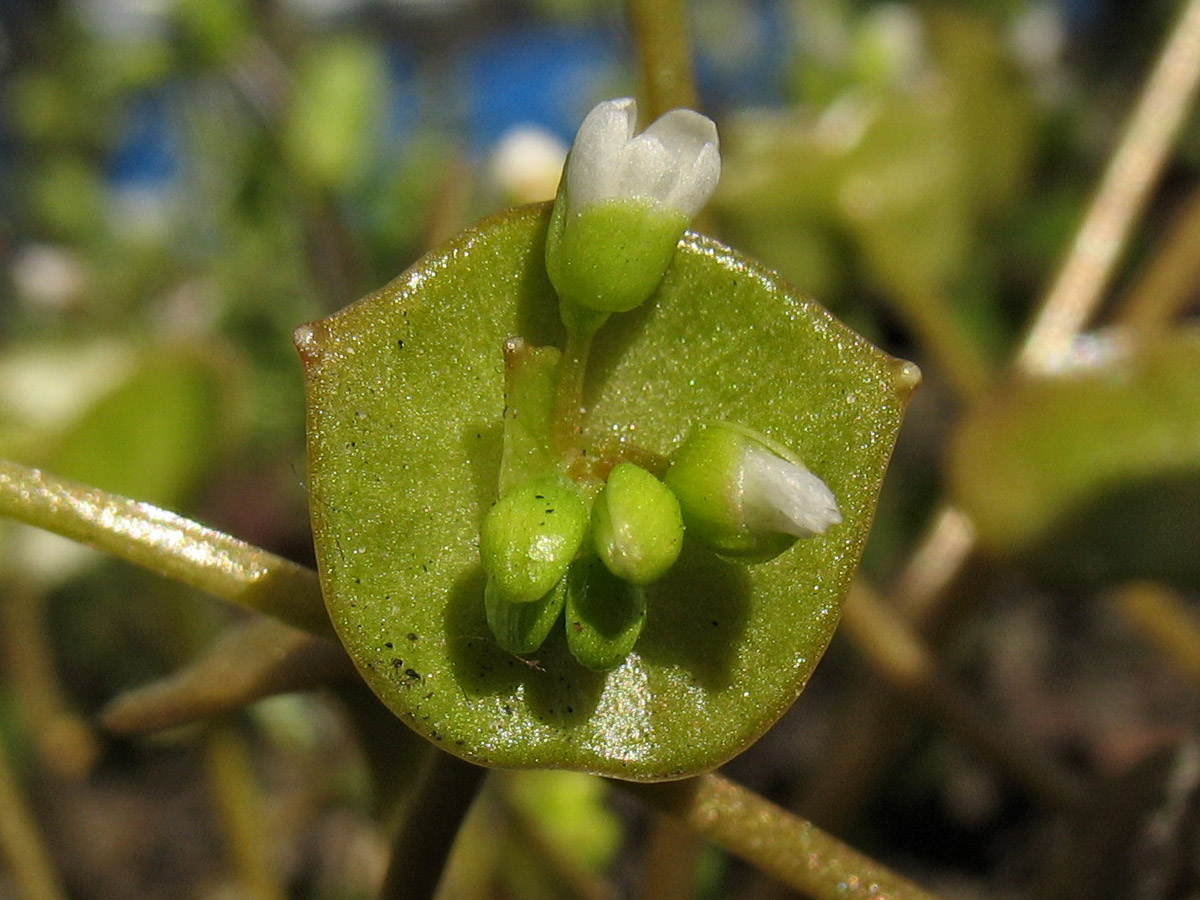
{"x": 605, "y": 615}
{"x": 637, "y": 528}
{"x": 610, "y": 256}
{"x": 530, "y": 536}
{"x": 522, "y": 628}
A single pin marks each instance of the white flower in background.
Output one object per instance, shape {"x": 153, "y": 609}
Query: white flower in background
{"x": 746, "y": 496}
{"x": 526, "y": 164}
{"x": 625, "y": 201}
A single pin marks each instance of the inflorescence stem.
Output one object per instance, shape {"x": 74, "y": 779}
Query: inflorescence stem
{"x": 568, "y": 397}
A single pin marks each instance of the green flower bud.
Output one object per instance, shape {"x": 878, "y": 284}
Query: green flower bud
{"x": 605, "y": 615}
{"x": 744, "y": 495}
{"x": 636, "y": 525}
{"x": 624, "y": 203}
{"x": 530, "y": 536}
{"x": 522, "y": 628}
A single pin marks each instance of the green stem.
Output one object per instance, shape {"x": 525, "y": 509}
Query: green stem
{"x": 782, "y": 845}
{"x": 568, "y": 395}
{"x": 423, "y": 842}
{"x": 1166, "y": 284}
{"x": 21, "y": 846}
{"x": 1166, "y": 621}
{"x": 66, "y": 742}
{"x": 247, "y": 662}
{"x": 664, "y": 54}
{"x": 240, "y": 804}
{"x": 168, "y": 544}
{"x": 664, "y": 49}
{"x": 567, "y": 877}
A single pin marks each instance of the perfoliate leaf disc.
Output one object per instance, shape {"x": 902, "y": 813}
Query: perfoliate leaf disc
{"x": 405, "y": 408}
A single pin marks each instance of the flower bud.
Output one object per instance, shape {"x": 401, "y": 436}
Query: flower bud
{"x": 624, "y": 203}
{"x": 744, "y": 495}
{"x": 604, "y": 614}
{"x": 522, "y": 628}
{"x": 530, "y": 536}
{"x": 636, "y": 525}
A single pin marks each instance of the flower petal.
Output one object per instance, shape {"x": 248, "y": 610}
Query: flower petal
{"x": 695, "y": 163}
{"x": 782, "y": 496}
{"x": 593, "y": 168}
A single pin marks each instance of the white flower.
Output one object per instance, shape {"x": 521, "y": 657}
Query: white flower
{"x": 624, "y": 203}
{"x": 675, "y": 162}
{"x": 526, "y": 163}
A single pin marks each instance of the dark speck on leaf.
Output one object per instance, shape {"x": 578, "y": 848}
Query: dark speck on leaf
{"x": 411, "y": 636}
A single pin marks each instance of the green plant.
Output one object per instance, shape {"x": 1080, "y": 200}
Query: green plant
{"x": 461, "y": 383}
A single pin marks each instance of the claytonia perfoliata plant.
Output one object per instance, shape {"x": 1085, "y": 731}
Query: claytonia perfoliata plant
{"x": 580, "y": 534}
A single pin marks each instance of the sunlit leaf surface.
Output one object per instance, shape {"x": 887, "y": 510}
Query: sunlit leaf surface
{"x": 405, "y": 415}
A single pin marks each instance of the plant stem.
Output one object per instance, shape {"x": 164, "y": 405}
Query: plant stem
{"x": 246, "y": 663}
{"x": 21, "y": 846}
{"x": 568, "y": 396}
{"x": 568, "y": 878}
{"x": 1166, "y": 623}
{"x": 660, "y": 32}
{"x": 168, "y": 544}
{"x": 234, "y": 786}
{"x": 669, "y": 871}
{"x": 784, "y": 846}
{"x": 1133, "y": 169}
{"x": 1168, "y": 281}
{"x": 937, "y": 328}
{"x": 664, "y": 55}
{"x": 66, "y": 742}
{"x": 933, "y": 568}
{"x": 425, "y": 837}
{"x": 1073, "y": 297}
{"x": 906, "y": 663}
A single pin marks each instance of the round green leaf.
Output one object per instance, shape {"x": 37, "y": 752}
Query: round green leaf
{"x": 405, "y": 407}
{"x": 1092, "y": 474}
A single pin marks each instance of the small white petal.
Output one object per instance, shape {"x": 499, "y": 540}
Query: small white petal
{"x": 594, "y": 168}
{"x": 646, "y": 168}
{"x": 695, "y": 163}
{"x": 781, "y": 496}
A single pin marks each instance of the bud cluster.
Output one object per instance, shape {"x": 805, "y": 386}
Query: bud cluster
{"x": 553, "y": 547}
{"x": 544, "y": 552}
